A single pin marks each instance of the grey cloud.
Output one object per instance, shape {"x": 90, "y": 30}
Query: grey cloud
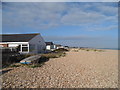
{"x": 77, "y": 18}
{"x": 33, "y": 13}
{"x": 50, "y": 15}
{"x": 98, "y": 28}
{"x": 108, "y": 10}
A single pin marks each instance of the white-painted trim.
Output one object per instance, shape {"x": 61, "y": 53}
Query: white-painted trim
{"x": 21, "y": 48}
{"x": 28, "y": 48}
{"x": 24, "y": 51}
{"x": 14, "y": 42}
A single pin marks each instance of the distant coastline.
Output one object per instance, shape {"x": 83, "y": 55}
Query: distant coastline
{"x": 110, "y": 48}
{"x": 100, "y": 48}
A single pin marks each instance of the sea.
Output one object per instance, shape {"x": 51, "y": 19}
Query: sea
{"x": 100, "y": 48}
{"x": 110, "y": 48}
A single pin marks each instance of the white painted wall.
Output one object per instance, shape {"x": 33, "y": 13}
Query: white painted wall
{"x": 1, "y": 46}
{"x": 13, "y": 42}
{"x": 59, "y": 47}
{"x": 54, "y": 47}
{"x": 13, "y": 45}
{"x": 48, "y": 47}
{"x": 37, "y": 44}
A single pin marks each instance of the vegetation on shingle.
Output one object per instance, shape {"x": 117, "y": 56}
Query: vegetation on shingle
{"x": 10, "y": 59}
{"x": 90, "y": 49}
{"x": 87, "y": 50}
{"x": 14, "y": 65}
{"x": 60, "y": 50}
{"x": 36, "y": 65}
{"x": 76, "y": 50}
{"x": 53, "y": 55}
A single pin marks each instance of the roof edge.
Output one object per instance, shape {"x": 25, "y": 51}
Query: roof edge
{"x": 22, "y": 34}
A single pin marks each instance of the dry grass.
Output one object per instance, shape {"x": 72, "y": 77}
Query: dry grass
{"x": 14, "y": 65}
{"x": 10, "y": 61}
{"x": 54, "y": 55}
{"x": 76, "y": 50}
{"x": 89, "y": 49}
{"x": 44, "y": 58}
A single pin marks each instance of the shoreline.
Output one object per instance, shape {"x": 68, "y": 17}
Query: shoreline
{"x": 94, "y": 48}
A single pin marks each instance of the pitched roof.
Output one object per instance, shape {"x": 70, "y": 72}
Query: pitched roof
{"x": 49, "y": 43}
{"x": 17, "y": 37}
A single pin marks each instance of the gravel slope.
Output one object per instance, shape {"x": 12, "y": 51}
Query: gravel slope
{"x": 83, "y": 69}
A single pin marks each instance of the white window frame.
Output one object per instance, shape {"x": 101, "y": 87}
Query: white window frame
{"x": 22, "y": 45}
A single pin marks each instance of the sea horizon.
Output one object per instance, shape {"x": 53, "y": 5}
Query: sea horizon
{"x": 110, "y": 48}
{"x": 101, "y": 48}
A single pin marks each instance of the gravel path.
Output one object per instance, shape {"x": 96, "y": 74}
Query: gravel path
{"x": 83, "y": 69}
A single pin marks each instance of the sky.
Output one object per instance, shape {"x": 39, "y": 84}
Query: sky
{"x": 82, "y": 24}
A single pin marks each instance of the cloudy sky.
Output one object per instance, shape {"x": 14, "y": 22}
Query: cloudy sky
{"x": 69, "y": 23}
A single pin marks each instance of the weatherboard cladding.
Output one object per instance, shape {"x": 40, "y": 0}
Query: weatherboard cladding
{"x": 17, "y": 37}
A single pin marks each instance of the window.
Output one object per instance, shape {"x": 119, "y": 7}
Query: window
{"x": 24, "y": 48}
{"x": 24, "y": 45}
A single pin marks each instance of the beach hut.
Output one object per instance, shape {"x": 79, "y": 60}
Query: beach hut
{"x": 24, "y": 43}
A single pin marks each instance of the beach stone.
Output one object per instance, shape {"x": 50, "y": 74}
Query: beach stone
{"x": 76, "y": 70}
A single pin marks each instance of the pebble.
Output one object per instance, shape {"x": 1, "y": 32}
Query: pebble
{"x": 59, "y": 73}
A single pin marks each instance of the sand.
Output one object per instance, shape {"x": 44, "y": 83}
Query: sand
{"x": 80, "y": 69}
